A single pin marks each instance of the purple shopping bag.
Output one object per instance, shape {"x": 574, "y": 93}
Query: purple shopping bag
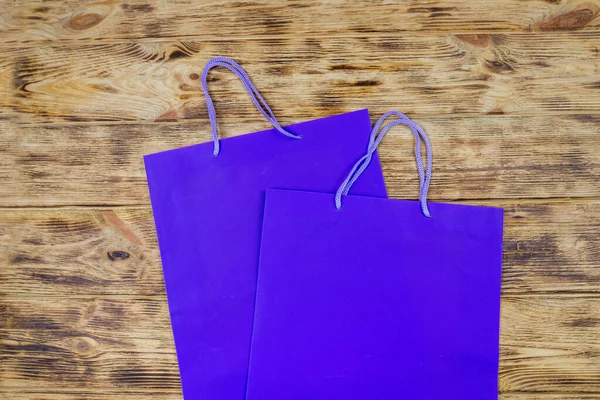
{"x": 373, "y": 299}
{"x": 208, "y": 212}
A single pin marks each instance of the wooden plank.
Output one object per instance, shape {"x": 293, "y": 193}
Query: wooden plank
{"x": 547, "y": 249}
{"x": 491, "y": 157}
{"x": 551, "y": 248}
{"x": 103, "y": 394}
{"x": 558, "y": 338}
{"x": 65, "y": 252}
{"x": 81, "y": 343}
{"x": 89, "y": 394}
{"x": 548, "y": 344}
{"x": 430, "y": 74}
{"x": 547, "y": 396}
{"x": 31, "y": 22}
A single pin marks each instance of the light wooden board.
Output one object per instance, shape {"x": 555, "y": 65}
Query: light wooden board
{"x": 430, "y": 74}
{"x": 547, "y": 396}
{"x": 72, "y": 252}
{"x": 558, "y": 335}
{"x": 102, "y": 394}
{"x": 488, "y": 157}
{"x": 30, "y": 22}
{"x": 547, "y": 344}
{"x": 547, "y": 249}
{"x": 97, "y": 394}
{"x": 87, "y": 343}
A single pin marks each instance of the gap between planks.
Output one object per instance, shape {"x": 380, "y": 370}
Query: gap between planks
{"x": 493, "y": 202}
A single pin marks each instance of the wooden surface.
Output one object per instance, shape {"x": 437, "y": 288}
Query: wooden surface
{"x": 508, "y": 91}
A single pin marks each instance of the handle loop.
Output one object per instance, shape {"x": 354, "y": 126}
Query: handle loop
{"x": 256, "y": 97}
{"x": 374, "y": 140}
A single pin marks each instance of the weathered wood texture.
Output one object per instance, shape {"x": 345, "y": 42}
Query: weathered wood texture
{"x": 433, "y": 74}
{"x": 506, "y": 89}
{"x": 547, "y": 249}
{"x": 475, "y": 158}
{"x": 88, "y": 343}
{"x": 547, "y": 344}
{"x": 109, "y": 393}
{"x": 102, "y": 394}
{"x": 30, "y": 22}
{"x": 539, "y": 396}
{"x": 559, "y": 336}
{"x": 72, "y": 252}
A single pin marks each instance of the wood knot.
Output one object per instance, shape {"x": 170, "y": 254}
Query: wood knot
{"x": 85, "y": 21}
{"x": 475, "y": 40}
{"x": 499, "y": 66}
{"x": 83, "y": 346}
{"x": 496, "y": 111}
{"x": 117, "y": 255}
{"x": 570, "y": 20}
{"x": 170, "y": 115}
{"x": 89, "y": 16}
{"x": 194, "y": 76}
{"x": 187, "y": 88}
{"x": 89, "y": 311}
{"x": 585, "y": 322}
{"x": 367, "y": 82}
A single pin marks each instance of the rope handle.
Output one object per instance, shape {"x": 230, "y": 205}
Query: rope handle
{"x": 376, "y": 137}
{"x": 255, "y": 95}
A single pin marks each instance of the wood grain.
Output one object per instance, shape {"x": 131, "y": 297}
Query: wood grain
{"x": 476, "y": 158}
{"x": 70, "y": 252}
{"x": 559, "y": 336}
{"x": 506, "y": 89}
{"x": 547, "y": 344}
{"x": 432, "y": 74}
{"x": 547, "y": 396}
{"x": 29, "y": 22}
{"x": 551, "y": 248}
{"x": 81, "y": 343}
{"x": 547, "y": 249}
{"x": 102, "y": 394}
{"x": 91, "y": 394}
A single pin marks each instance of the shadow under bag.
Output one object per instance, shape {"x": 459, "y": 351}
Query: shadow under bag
{"x": 373, "y": 298}
{"x": 208, "y": 204}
